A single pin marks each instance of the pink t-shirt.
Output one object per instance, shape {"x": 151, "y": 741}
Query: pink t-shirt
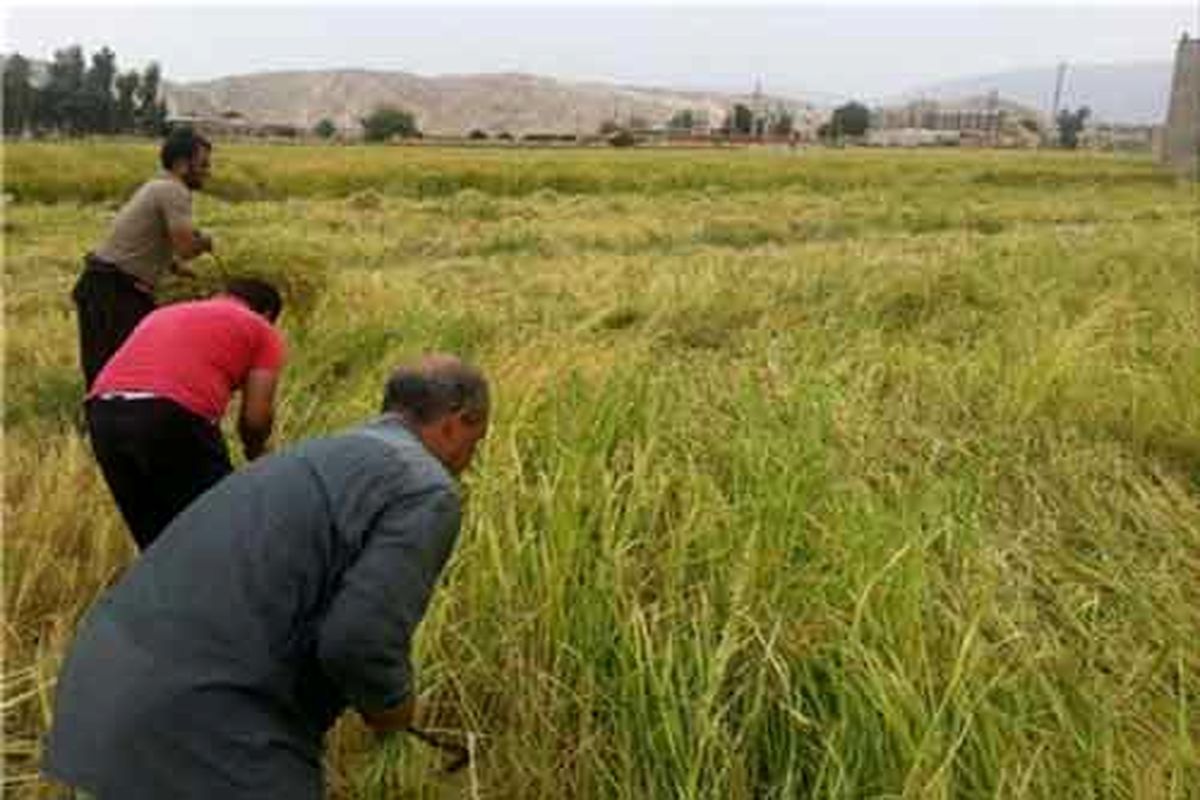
{"x": 195, "y": 354}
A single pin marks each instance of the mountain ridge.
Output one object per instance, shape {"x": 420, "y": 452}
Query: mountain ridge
{"x": 515, "y": 102}
{"x": 1131, "y": 92}
{"x": 521, "y": 102}
{"x": 1134, "y": 92}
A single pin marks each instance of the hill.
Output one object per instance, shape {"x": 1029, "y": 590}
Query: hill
{"x": 449, "y": 104}
{"x": 1134, "y": 93}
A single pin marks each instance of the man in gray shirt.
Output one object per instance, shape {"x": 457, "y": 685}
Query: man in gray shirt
{"x": 152, "y": 234}
{"x": 287, "y": 592}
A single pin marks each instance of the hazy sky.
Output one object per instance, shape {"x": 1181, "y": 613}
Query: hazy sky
{"x": 866, "y": 51}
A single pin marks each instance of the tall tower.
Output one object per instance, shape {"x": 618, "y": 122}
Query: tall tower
{"x": 1059, "y": 77}
{"x": 1181, "y": 133}
{"x": 1051, "y": 133}
{"x": 758, "y": 108}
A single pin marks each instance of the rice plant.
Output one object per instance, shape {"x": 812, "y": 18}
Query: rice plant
{"x": 830, "y": 475}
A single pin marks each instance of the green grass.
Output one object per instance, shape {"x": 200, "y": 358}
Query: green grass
{"x": 835, "y": 474}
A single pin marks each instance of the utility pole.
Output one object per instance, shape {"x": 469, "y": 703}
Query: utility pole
{"x": 1058, "y": 85}
{"x": 993, "y": 118}
{"x": 758, "y": 121}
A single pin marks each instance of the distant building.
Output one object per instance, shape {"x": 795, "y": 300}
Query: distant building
{"x": 912, "y": 137}
{"x": 1128, "y": 138}
{"x": 1181, "y": 134}
{"x": 233, "y": 124}
{"x": 980, "y": 121}
{"x": 229, "y": 125}
{"x": 933, "y": 116}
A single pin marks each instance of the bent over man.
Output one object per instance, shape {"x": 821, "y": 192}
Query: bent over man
{"x": 154, "y": 410}
{"x": 289, "y": 591}
{"x": 151, "y": 235}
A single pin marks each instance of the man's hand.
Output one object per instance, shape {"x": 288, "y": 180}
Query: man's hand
{"x": 188, "y": 242}
{"x": 391, "y": 720}
{"x": 252, "y": 452}
{"x": 204, "y": 242}
{"x": 179, "y": 269}
{"x": 258, "y": 412}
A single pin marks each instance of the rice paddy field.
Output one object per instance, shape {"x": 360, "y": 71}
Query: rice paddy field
{"x": 813, "y": 474}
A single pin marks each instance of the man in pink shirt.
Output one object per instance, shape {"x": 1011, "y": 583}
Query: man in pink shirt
{"x": 155, "y": 408}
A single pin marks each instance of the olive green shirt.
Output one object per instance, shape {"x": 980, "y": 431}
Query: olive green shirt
{"x": 139, "y": 242}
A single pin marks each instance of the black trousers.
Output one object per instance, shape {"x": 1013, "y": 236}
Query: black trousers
{"x": 109, "y": 307}
{"x": 157, "y": 457}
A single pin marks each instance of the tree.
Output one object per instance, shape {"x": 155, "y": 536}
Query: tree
{"x": 684, "y": 120}
{"x": 386, "y": 122}
{"x": 741, "y": 120}
{"x": 622, "y": 138}
{"x": 851, "y": 119}
{"x": 99, "y": 108}
{"x": 325, "y": 128}
{"x": 609, "y": 127}
{"x": 782, "y": 123}
{"x": 82, "y": 96}
{"x": 151, "y": 114}
{"x": 477, "y": 135}
{"x": 1070, "y": 124}
{"x": 61, "y": 105}
{"x": 125, "y": 107}
{"x": 19, "y": 95}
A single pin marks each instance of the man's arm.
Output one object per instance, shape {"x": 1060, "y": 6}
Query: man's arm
{"x": 392, "y": 720}
{"x": 188, "y": 242}
{"x": 257, "y": 415}
{"x": 364, "y": 640}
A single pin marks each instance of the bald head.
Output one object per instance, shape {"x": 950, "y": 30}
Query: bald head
{"x": 445, "y": 401}
{"x": 434, "y": 386}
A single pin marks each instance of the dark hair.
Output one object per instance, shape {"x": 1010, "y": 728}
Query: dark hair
{"x": 261, "y": 296}
{"x": 181, "y": 143}
{"x": 438, "y": 386}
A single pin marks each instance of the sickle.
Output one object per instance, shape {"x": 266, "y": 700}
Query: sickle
{"x": 461, "y": 756}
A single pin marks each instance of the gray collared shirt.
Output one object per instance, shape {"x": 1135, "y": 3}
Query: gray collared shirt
{"x": 139, "y": 242}
{"x": 284, "y": 594}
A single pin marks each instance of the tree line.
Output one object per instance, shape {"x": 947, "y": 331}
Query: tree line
{"x": 79, "y": 96}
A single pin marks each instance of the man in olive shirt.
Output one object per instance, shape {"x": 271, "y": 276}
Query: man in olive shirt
{"x": 151, "y": 235}
{"x": 287, "y": 592}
